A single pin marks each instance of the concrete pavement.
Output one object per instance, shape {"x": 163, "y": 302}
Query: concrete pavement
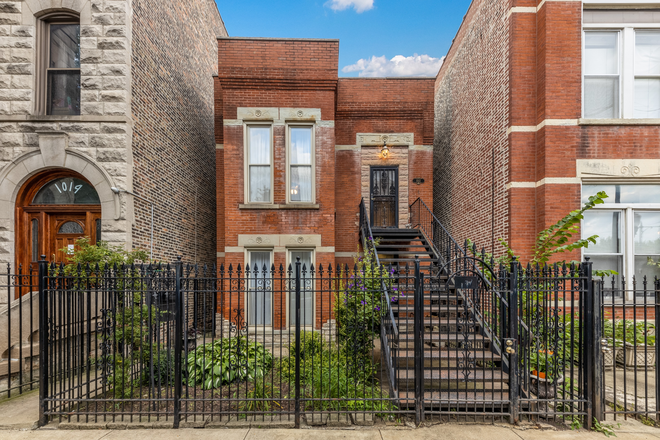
{"x": 443, "y": 431}
{"x": 18, "y": 416}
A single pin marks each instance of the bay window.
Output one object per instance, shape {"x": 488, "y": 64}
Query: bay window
{"x": 628, "y": 227}
{"x": 621, "y": 65}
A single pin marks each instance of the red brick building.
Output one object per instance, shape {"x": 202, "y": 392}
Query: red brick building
{"x": 297, "y": 149}
{"x": 540, "y": 104}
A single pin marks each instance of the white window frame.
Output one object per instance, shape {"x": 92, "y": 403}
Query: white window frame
{"x": 246, "y": 298}
{"x": 312, "y": 127}
{"x": 247, "y": 164}
{"x": 627, "y": 231}
{"x": 289, "y": 261}
{"x": 626, "y": 61}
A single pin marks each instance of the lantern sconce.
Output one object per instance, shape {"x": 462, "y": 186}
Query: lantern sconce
{"x": 384, "y": 152}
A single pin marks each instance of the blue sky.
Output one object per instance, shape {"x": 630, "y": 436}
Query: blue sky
{"x": 368, "y": 30}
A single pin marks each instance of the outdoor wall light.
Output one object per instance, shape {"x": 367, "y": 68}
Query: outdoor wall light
{"x": 385, "y": 152}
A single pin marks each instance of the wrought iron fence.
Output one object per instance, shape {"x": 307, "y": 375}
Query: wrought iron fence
{"x": 19, "y": 341}
{"x": 629, "y": 319}
{"x": 204, "y": 345}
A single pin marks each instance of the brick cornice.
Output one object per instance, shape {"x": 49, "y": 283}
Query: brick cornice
{"x": 278, "y": 84}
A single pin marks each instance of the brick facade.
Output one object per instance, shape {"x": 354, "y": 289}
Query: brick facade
{"x": 471, "y": 148}
{"x": 173, "y": 63}
{"x": 512, "y": 83}
{"x": 295, "y": 81}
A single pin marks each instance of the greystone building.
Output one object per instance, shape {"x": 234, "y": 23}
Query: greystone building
{"x": 102, "y": 94}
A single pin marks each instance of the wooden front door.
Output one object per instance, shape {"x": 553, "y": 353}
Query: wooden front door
{"x": 53, "y": 210}
{"x": 66, "y": 229}
{"x": 384, "y": 197}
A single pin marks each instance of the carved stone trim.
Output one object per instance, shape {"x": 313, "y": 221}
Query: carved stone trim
{"x": 392, "y": 139}
{"x": 300, "y": 114}
{"x": 258, "y": 113}
{"x": 619, "y": 169}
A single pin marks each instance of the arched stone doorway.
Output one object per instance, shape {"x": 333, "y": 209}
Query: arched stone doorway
{"x": 54, "y": 209}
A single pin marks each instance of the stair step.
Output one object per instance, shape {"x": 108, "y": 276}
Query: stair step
{"x": 460, "y": 399}
{"x": 455, "y": 380}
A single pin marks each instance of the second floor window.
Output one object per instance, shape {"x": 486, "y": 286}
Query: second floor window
{"x": 259, "y": 164}
{"x": 621, "y": 73}
{"x": 63, "y": 69}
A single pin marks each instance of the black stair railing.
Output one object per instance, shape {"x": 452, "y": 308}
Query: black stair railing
{"x": 389, "y": 333}
{"x": 487, "y": 303}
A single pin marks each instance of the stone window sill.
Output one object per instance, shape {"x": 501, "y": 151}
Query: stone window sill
{"x": 62, "y": 118}
{"x": 276, "y": 206}
{"x": 619, "y": 121}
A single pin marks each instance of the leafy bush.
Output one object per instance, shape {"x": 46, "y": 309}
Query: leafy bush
{"x": 161, "y": 360}
{"x": 359, "y": 308}
{"x": 630, "y": 331}
{"x": 227, "y": 360}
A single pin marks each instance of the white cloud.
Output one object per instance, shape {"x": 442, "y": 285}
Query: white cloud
{"x": 416, "y": 65}
{"x": 359, "y": 5}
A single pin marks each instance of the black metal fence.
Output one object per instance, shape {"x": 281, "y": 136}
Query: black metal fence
{"x": 210, "y": 346}
{"x": 19, "y": 337}
{"x": 630, "y": 316}
{"x": 200, "y": 345}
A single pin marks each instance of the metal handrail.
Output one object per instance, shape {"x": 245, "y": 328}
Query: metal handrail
{"x": 368, "y": 239}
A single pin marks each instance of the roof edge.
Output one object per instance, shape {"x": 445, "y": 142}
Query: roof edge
{"x": 279, "y": 39}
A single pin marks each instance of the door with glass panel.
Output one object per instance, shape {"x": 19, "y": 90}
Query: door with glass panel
{"x": 306, "y": 289}
{"x": 260, "y": 289}
{"x": 384, "y": 197}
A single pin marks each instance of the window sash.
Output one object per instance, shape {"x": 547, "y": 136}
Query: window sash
{"x": 301, "y": 151}
{"x": 259, "y": 301}
{"x": 307, "y": 299}
{"x": 638, "y": 90}
{"x": 259, "y": 161}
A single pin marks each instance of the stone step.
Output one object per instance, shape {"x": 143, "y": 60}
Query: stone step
{"x": 463, "y": 400}
{"x": 454, "y": 380}
{"x": 444, "y": 341}
{"x": 446, "y": 358}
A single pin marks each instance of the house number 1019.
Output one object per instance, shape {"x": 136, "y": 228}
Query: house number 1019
{"x": 70, "y": 187}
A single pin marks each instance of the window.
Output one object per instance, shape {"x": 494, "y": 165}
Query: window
{"x": 628, "y": 226}
{"x": 260, "y": 295}
{"x": 300, "y": 175}
{"x": 67, "y": 191}
{"x": 259, "y": 164}
{"x": 306, "y": 288}
{"x": 58, "y": 65}
{"x": 621, "y": 67}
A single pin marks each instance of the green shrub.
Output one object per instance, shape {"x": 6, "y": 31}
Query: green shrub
{"x": 161, "y": 361}
{"x": 630, "y": 331}
{"x": 227, "y": 360}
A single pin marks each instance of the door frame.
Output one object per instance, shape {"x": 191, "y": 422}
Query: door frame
{"x": 23, "y": 208}
{"x": 372, "y": 169}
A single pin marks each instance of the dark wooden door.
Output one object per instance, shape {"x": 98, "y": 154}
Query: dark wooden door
{"x": 384, "y": 197}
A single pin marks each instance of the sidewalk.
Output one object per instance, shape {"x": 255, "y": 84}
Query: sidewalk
{"x": 444, "y": 432}
{"x": 18, "y": 417}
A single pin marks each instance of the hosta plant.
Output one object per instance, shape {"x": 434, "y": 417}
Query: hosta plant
{"x": 227, "y": 360}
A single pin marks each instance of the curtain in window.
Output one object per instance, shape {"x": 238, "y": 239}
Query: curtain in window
{"x": 259, "y": 164}
{"x": 647, "y": 245}
{"x": 647, "y": 74}
{"x": 301, "y": 164}
{"x": 260, "y": 296}
{"x": 601, "y": 81}
{"x": 306, "y": 290}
